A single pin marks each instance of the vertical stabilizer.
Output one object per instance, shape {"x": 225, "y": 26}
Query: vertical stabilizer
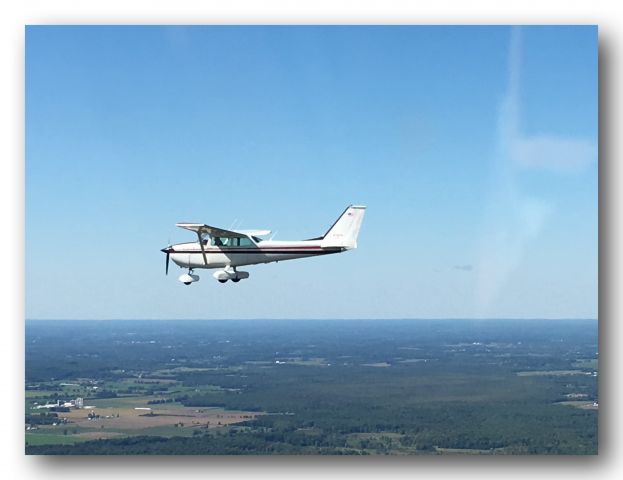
{"x": 345, "y": 230}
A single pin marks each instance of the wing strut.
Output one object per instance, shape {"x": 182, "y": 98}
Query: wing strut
{"x": 205, "y": 260}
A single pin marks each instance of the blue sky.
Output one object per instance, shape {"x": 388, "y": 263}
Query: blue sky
{"x": 474, "y": 148}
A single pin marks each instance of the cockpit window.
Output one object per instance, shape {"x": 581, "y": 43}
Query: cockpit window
{"x": 231, "y": 242}
{"x": 218, "y": 241}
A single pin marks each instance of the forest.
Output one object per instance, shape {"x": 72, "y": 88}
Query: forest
{"x": 315, "y": 387}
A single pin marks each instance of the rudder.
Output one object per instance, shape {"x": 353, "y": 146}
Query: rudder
{"x": 344, "y": 232}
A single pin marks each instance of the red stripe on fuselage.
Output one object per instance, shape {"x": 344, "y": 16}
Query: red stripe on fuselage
{"x": 260, "y": 250}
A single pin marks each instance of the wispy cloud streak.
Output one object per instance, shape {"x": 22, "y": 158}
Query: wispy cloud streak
{"x": 514, "y": 218}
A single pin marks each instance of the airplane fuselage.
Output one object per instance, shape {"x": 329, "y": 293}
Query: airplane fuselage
{"x": 226, "y": 250}
{"x": 189, "y": 255}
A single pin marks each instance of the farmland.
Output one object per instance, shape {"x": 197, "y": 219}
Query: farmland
{"x": 312, "y": 387}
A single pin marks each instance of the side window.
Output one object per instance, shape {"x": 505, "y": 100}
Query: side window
{"x": 245, "y": 242}
{"x": 231, "y": 242}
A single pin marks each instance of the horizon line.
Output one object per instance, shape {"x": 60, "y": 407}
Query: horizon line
{"x": 309, "y": 319}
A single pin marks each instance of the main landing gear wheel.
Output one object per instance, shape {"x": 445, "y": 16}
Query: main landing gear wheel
{"x": 230, "y": 273}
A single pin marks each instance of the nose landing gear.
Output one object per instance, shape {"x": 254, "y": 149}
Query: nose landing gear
{"x": 188, "y": 278}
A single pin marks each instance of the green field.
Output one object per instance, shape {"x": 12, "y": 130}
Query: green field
{"x": 318, "y": 388}
{"x": 587, "y": 364}
{"x": 33, "y": 439}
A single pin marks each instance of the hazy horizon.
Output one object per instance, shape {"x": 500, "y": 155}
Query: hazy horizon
{"x": 302, "y": 319}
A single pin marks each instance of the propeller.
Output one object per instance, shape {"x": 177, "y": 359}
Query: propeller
{"x": 168, "y": 251}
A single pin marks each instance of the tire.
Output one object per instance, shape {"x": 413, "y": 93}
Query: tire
{"x": 235, "y": 280}
{"x": 223, "y": 281}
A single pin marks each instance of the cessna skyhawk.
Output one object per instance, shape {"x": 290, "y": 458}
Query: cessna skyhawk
{"x": 226, "y": 250}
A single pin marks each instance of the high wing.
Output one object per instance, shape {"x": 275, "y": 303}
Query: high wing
{"x": 254, "y": 233}
{"x": 201, "y": 228}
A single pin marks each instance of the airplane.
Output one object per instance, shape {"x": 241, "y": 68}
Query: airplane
{"x": 226, "y": 250}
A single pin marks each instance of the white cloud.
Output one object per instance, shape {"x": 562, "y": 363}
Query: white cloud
{"x": 557, "y": 154}
{"x": 514, "y": 218}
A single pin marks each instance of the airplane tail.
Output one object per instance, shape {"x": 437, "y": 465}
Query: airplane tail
{"x": 345, "y": 230}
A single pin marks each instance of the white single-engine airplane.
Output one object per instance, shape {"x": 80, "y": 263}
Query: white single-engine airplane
{"x": 229, "y": 249}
